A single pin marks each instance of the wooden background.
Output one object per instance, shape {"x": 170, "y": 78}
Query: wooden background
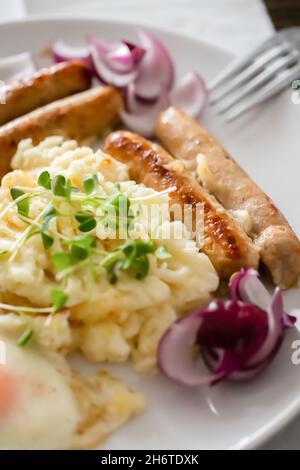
{"x": 284, "y": 13}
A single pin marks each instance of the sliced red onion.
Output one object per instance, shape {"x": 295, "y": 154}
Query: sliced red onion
{"x": 236, "y": 328}
{"x": 289, "y": 321}
{"x": 62, "y": 52}
{"x": 134, "y": 104}
{"x": 246, "y": 286}
{"x": 190, "y": 94}
{"x": 275, "y": 314}
{"x": 156, "y": 69}
{"x": 144, "y": 73}
{"x": 237, "y": 340}
{"x": 229, "y": 369}
{"x": 143, "y": 122}
{"x": 124, "y": 58}
{"x": 263, "y": 347}
{"x": 227, "y": 333}
{"x": 121, "y": 57}
{"x": 102, "y": 46}
{"x": 137, "y": 52}
{"x": 16, "y": 66}
{"x": 107, "y": 75}
{"x": 175, "y": 353}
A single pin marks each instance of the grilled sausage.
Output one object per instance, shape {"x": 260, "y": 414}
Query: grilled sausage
{"x": 42, "y": 87}
{"x": 79, "y": 116}
{"x": 225, "y": 243}
{"x": 278, "y": 244}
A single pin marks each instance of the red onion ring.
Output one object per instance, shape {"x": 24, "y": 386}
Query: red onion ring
{"x": 121, "y": 57}
{"x": 62, "y": 52}
{"x": 107, "y": 75}
{"x": 190, "y": 94}
{"x": 145, "y": 74}
{"x": 174, "y": 353}
{"x": 143, "y": 122}
{"x": 156, "y": 70}
{"x": 237, "y": 340}
{"x": 246, "y": 286}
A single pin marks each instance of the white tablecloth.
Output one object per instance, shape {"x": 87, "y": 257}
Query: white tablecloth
{"x": 236, "y": 25}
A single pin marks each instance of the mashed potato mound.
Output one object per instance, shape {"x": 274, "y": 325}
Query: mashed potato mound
{"x": 108, "y": 322}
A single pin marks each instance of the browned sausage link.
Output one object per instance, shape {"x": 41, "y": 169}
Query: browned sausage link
{"x": 79, "y": 116}
{"x": 279, "y": 246}
{"x": 42, "y": 87}
{"x": 225, "y": 242}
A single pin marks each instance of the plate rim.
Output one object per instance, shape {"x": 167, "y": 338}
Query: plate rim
{"x": 283, "y": 418}
{"x": 51, "y": 17}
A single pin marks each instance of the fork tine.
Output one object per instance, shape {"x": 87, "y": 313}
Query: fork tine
{"x": 269, "y": 90}
{"x": 260, "y": 79}
{"x": 249, "y": 72}
{"x": 239, "y": 63}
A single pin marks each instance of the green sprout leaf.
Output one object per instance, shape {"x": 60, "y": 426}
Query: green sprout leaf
{"x": 131, "y": 257}
{"x": 25, "y": 337}
{"x": 44, "y": 180}
{"x": 78, "y": 252}
{"x": 86, "y": 221}
{"x": 63, "y": 260}
{"x": 16, "y": 193}
{"x": 82, "y": 216}
{"x": 143, "y": 266}
{"x": 84, "y": 241}
{"x": 90, "y": 185}
{"x": 61, "y": 186}
{"x": 23, "y": 205}
{"x": 88, "y": 225}
{"x": 59, "y": 299}
{"x": 47, "y": 240}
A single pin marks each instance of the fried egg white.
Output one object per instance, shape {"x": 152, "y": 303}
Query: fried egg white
{"x": 45, "y": 405}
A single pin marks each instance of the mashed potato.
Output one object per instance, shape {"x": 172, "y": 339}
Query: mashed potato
{"x": 108, "y": 322}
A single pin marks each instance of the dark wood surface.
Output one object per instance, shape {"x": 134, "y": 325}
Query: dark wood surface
{"x": 284, "y": 13}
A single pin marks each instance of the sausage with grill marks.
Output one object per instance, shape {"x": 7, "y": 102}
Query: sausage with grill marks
{"x": 225, "y": 243}
{"x": 86, "y": 114}
{"x": 42, "y": 87}
{"x": 279, "y": 247}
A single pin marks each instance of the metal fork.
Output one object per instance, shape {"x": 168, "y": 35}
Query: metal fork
{"x": 263, "y": 73}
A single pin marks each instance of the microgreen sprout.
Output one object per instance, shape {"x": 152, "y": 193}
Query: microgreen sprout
{"x": 91, "y": 185}
{"x": 85, "y": 209}
{"x": 59, "y": 299}
{"x": 44, "y": 180}
{"x": 22, "y": 203}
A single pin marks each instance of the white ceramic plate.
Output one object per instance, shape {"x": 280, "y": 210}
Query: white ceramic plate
{"x": 266, "y": 144}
